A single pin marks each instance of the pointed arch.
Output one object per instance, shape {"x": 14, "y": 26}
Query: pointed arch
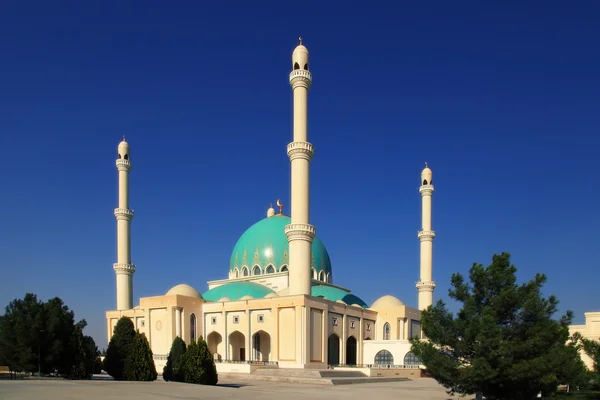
{"x": 193, "y": 327}
{"x": 256, "y": 270}
{"x": 314, "y": 273}
{"x": 284, "y": 268}
{"x": 386, "y": 331}
{"x": 351, "y": 350}
{"x": 245, "y": 271}
{"x": 322, "y": 276}
{"x": 236, "y": 272}
{"x": 214, "y": 340}
{"x": 237, "y": 346}
{"x": 270, "y": 269}
{"x": 333, "y": 349}
{"x": 261, "y": 346}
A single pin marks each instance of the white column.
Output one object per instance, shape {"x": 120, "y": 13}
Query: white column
{"x": 426, "y": 285}
{"x": 123, "y": 268}
{"x": 178, "y": 322}
{"x": 300, "y": 233}
{"x": 402, "y": 335}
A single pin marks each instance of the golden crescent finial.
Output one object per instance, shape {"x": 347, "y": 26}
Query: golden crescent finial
{"x": 280, "y": 205}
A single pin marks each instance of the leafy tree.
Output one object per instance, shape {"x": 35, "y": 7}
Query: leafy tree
{"x": 31, "y": 330}
{"x": 198, "y": 364}
{"x": 172, "y": 371}
{"x": 118, "y": 348}
{"x": 139, "y": 364}
{"x": 503, "y": 343}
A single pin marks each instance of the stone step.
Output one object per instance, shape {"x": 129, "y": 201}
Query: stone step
{"x": 308, "y": 373}
{"x": 307, "y": 380}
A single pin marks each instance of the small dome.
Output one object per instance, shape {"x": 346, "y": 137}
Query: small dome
{"x": 426, "y": 175}
{"x": 236, "y": 290}
{"x": 184, "y": 290}
{"x": 270, "y": 211}
{"x": 246, "y": 297}
{"x": 386, "y": 302}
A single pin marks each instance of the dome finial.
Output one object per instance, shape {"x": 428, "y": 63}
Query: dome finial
{"x": 280, "y": 205}
{"x": 270, "y": 211}
{"x": 123, "y": 138}
{"x": 300, "y": 39}
{"x": 425, "y": 164}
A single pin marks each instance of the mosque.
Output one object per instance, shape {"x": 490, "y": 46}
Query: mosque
{"x": 278, "y": 305}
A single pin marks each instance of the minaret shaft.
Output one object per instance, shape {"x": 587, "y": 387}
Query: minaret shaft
{"x": 123, "y": 268}
{"x": 299, "y": 232}
{"x": 426, "y": 285}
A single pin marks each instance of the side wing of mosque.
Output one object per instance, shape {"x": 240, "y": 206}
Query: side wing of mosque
{"x": 279, "y": 305}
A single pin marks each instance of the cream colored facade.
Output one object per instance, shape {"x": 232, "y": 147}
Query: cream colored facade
{"x": 590, "y": 330}
{"x": 278, "y": 306}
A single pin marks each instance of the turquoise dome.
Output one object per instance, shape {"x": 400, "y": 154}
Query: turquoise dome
{"x": 264, "y": 244}
{"x": 334, "y": 294}
{"x": 237, "y": 290}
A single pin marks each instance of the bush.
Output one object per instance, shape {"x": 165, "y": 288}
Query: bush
{"x": 139, "y": 364}
{"x": 173, "y": 371}
{"x": 118, "y": 348}
{"x": 198, "y": 364}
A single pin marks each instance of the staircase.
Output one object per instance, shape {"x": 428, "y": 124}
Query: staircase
{"x": 308, "y": 376}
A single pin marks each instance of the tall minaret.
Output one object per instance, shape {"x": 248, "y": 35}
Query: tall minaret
{"x": 300, "y": 233}
{"x": 426, "y": 285}
{"x": 123, "y": 267}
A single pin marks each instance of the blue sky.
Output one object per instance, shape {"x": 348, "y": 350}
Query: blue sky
{"x": 500, "y": 99}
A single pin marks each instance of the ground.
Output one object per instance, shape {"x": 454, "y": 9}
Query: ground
{"x": 110, "y": 390}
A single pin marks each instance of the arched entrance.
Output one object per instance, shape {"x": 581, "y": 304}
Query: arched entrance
{"x": 237, "y": 346}
{"x": 333, "y": 349}
{"x": 213, "y": 340}
{"x": 351, "y": 351}
{"x": 261, "y": 346}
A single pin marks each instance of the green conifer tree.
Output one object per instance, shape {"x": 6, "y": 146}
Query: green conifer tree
{"x": 209, "y": 369}
{"x": 118, "y": 348}
{"x": 173, "y": 371}
{"x": 139, "y": 364}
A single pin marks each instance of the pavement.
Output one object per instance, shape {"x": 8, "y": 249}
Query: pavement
{"x": 106, "y": 389}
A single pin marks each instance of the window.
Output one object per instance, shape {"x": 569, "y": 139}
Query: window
{"x": 193, "y": 327}
{"x": 142, "y": 323}
{"x": 256, "y": 270}
{"x": 213, "y": 320}
{"x": 260, "y": 318}
{"x": 411, "y": 359}
{"x": 384, "y": 357}
{"x": 415, "y": 329}
{"x": 322, "y": 276}
{"x": 334, "y": 321}
{"x": 245, "y": 271}
{"x": 352, "y": 324}
{"x": 270, "y": 269}
{"x": 368, "y": 327}
{"x": 386, "y": 331}
{"x": 284, "y": 268}
{"x": 237, "y": 273}
{"x": 236, "y": 319}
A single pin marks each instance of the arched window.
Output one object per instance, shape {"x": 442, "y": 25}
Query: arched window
{"x": 236, "y": 273}
{"x": 322, "y": 276}
{"x": 256, "y": 270}
{"x": 270, "y": 269}
{"x": 284, "y": 268}
{"x": 193, "y": 327}
{"x": 314, "y": 273}
{"x": 424, "y": 181}
{"x": 328, "y": 278}
{"x": 306, "y": 67}
{"x": 126, "y": 156}
{"x": 384, "y": 357}
{"x": 411, "y": 359}
{"x": 296, "y": 66}
{"x": 245, "y": 271}
{"x": 386, "y": 331}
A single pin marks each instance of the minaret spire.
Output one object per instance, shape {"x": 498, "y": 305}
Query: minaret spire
{"x": 300, "y": 233}
{"x": 124, "y": 269}
{"x": 426, "y": 285}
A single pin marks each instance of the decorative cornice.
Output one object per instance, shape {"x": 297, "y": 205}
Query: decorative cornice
{"x": 425, "y": 286}
{"x": 304, "y": 232}
{"x": 123, "y": 165}
{"x": 302, "y": 150}
{"x": 426, "y": 190}
{"x": 123, "y": 213}
{"x": 426, "y": 236}
{"x": 300, "y": 78}
{"x": 127, "y": 269}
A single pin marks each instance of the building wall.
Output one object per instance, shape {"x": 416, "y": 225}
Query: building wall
{"x": 398, "y": 349}
{"x": 590, "y": 330}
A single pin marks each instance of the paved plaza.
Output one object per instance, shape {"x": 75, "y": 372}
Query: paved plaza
{"x": 109, "y": 390}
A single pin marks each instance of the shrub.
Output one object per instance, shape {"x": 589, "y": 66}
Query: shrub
{"x": 139, "y": 364}
{"x": 173, "y": 371}
{"x": 118, "y": 348}
{"x": 198, "y": 364}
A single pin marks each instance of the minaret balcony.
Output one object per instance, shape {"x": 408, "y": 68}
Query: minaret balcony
{"x": 303, "y": 150}
{"x": 124, "y": 213}
{"x": 426, "y": 235}
{"x": 426, "y": 190}
{"x": 121, "y": 268}
{"x": 425, "y": 286}
{"x": 123, "y": 165}
{"x": 304, "y": 232}
{"x": 300, "y": 77}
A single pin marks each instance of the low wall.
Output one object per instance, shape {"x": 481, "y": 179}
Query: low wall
{"x": 385, "y": 372}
